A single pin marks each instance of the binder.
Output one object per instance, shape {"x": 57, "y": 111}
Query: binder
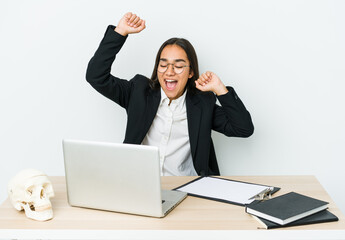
{"x": 287, "y": 208}
{"x": 320, "y": 217}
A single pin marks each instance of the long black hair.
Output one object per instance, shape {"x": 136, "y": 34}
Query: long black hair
{"x": 193, "y": 61}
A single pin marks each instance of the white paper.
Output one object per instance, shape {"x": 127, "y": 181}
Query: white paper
{"x": 229, "y": 190}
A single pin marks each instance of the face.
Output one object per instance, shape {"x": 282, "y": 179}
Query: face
{"x": 174, "y": 84}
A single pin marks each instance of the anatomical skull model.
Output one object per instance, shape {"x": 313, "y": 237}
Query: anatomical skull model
{"x": 30, "y": 190}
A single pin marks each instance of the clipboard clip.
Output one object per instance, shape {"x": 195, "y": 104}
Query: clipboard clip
{"x": 263, "y": 195}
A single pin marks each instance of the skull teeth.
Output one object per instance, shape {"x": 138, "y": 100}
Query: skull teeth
{"x": 41, "y": 215}
{"x": 42, "y": 208}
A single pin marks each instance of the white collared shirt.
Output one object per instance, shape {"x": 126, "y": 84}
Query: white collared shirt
{"x": 169, "y": 132}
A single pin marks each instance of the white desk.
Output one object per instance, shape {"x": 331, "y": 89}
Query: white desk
{"x": 194, "y": 218}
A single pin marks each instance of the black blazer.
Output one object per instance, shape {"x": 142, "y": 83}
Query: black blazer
{"x": 141, "y": 104}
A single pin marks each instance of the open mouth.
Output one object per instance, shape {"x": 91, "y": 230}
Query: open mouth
{"x": 170, "y": 84}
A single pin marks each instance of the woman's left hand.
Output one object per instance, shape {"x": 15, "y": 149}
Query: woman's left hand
{"x": 209, "y": 81}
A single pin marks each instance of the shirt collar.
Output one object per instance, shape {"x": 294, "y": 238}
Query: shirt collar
{"x": 180, "y": 102}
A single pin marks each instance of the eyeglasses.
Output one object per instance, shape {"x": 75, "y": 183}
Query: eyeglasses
{"x": 177, "y": 67}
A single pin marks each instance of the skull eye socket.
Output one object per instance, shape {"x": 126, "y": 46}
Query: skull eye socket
{"x": 42, "y": 193}
{"x": 29, "y": 191}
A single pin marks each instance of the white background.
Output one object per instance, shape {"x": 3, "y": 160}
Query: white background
{"x": 285, "y": 59}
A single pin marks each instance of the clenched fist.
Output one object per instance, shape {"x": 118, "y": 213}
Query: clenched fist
{"x": 209, "y": 81}
{"x": 130, "y": 23}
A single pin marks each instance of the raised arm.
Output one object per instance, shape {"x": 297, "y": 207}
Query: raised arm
{"x": 99, "y": 67}
{"x": 231, "y": 118}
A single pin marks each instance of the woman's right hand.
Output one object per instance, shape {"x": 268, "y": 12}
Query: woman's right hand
{"x": 130, "y": 23}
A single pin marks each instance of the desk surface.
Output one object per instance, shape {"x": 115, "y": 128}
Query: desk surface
{"x": 191, "y": 216}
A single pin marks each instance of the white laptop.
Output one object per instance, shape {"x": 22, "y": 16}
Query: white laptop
{"x": 117, "y": 177}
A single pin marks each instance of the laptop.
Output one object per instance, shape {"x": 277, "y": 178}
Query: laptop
{"x": 117, "y": 177}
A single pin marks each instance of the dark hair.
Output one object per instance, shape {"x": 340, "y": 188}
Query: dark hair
{"x": 193, "y": 60}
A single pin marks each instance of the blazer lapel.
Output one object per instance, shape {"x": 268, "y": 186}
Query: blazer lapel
{"x": 193, "y": 118}
{"x": 153, "y": 100}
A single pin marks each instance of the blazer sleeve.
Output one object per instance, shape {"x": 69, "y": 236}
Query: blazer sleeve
{"x": 232, "y": 117}
{"x": 99, "y": 67}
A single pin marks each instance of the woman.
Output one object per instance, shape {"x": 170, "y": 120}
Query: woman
{"x": 176, "y": 109}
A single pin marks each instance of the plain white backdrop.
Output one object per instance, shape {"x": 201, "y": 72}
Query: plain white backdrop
{"x": 285, "y": 59}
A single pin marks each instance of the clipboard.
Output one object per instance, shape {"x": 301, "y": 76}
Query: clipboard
{"x": 227, "y": 190}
